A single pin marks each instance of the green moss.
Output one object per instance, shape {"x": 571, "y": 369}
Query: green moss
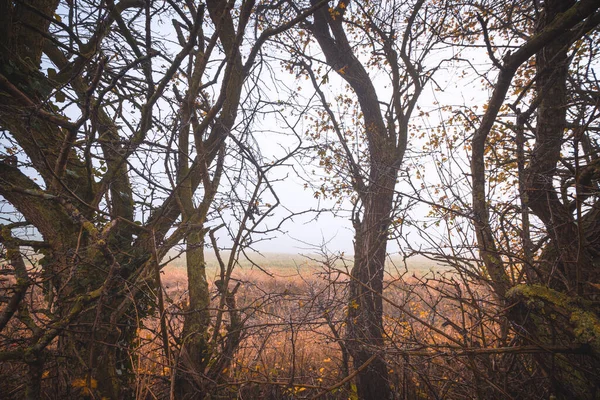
{"x": 587, "y": 328}
{"x": 584, "y": 321}
{"x": 88, "y": 226}
{"x": 533, "y": 292}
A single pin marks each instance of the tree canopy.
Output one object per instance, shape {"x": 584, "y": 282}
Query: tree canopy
{"x": 140, "y": 134}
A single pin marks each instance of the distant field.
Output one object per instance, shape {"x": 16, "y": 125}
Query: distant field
{"x": 282, "y": 265}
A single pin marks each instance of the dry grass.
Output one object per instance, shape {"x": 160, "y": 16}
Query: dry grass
{"x": 294, "y": 315}
{"x": 295, "y": 312}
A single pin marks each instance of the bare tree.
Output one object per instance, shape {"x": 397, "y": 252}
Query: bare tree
{"x": 558, "y": 269}
{"x": 366, "y": 140}
{"x": 112, "y": 165}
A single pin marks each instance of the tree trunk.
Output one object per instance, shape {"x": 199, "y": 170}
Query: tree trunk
{"x": 569, "y": 260}
{"x": 569, "y": 245}
{"x": 555, "y": 311}
{"x": 195, "y": 353}
{"x": 365, "y": 308}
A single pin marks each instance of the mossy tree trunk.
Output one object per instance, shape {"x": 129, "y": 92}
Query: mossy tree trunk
{"x": 558, "y": 296}
{"x": 74, "y": 262}
{"x": 88, "y": 254}
{"x": 196, "y": 350}
{"x": 95, "y": 164}
{"x": 569, "y": 261}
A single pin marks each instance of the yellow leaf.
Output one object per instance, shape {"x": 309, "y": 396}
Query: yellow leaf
{"x": 83, "y": 384}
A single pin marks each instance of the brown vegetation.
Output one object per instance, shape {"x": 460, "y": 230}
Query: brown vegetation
{"x": 138, "y": 173}
{"x": 443, "y": 338}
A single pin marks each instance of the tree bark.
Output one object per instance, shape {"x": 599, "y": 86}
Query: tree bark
{"x": 365, "y": 334}
{"x": 570, "y": 247}
{"x": 365, "y": 309}
{"x": 568, "y": 257}
{"x": 196, "y": 354}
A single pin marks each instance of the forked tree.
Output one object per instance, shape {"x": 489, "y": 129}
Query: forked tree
{"x": 552, "y": 298}
{"x": 113, "y": 165}
{"x": 378, "y": 50}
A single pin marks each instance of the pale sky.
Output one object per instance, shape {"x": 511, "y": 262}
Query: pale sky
{"x": 305, "y": 230}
